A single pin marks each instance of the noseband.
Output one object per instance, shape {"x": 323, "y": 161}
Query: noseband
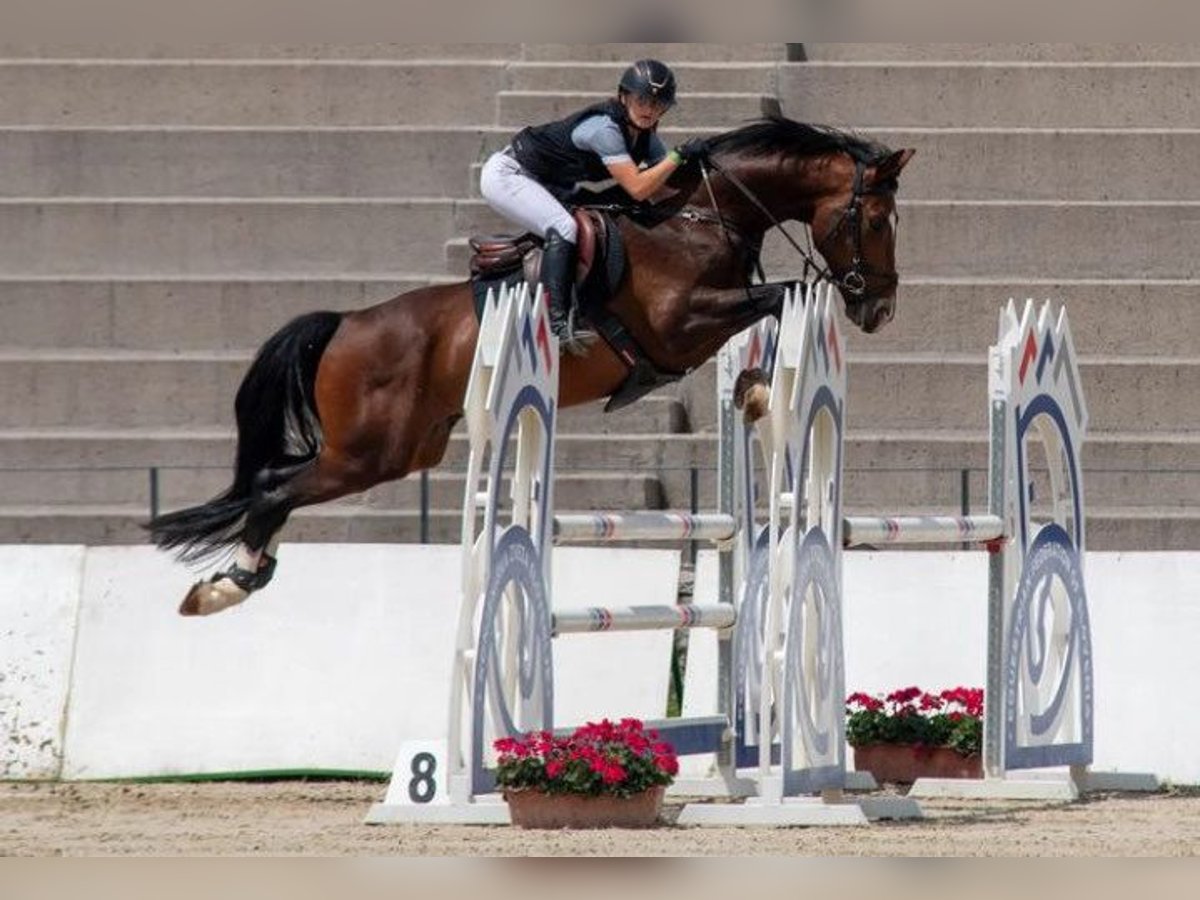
{"x": 854, "y": 282}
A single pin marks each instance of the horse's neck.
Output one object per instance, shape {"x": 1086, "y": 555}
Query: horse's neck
{"x": 788, "y": 190}
{"x": 694, "y": 292}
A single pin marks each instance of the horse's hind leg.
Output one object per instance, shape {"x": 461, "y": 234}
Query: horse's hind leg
{"x": 277, "y": 493}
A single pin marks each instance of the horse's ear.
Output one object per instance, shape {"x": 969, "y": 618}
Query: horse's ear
{"x": 890, "y": 168}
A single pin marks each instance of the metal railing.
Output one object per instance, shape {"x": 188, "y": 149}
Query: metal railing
{"x": 960, "y": 497}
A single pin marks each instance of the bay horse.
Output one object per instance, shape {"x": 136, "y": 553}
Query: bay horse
{"x": 335, "y": 403}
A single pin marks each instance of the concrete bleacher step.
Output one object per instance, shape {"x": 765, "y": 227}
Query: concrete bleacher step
{"x": 202, "y": 314}
{"x": 990, "y": 95}
{"x": 131, "y": 49}
{"x": 1058, "y": 53}
{"x": 1067, "y": 240}
{"x": 256, "y": 93}
{"x": 106, "y": 389}
{"x": 672, "y": 53}
{"x": 71, "y": 448}
{"x": 601, "y": 77}
{"x": 242, "y": 162}
{"x": 694, "y": 109}
{"x": 1109, "y": 318}
{"x": 225, "y": 238}
{"x": 1053, "y": 164}
{"x": 962, "y": 164}
{"x": 330, "y": 237}
{"x": 949, "y": 391}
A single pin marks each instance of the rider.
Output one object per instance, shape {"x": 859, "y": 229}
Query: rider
{"x": 527, "y": 180}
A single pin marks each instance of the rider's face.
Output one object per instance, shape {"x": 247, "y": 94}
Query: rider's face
{"x": 644, "y": 112}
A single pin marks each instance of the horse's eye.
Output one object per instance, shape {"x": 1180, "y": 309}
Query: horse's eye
{"x": 878, "y": 224}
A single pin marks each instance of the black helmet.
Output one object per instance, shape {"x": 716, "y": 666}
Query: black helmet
{"x": 650, "y": 79}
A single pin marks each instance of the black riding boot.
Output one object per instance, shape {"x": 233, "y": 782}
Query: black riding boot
{"x": 558, "y": 278}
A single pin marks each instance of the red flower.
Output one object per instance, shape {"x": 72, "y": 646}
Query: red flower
{"x": 505, "y": 745}
{"x": 554, "y": 768}
{"x": 613, "y": 774}
{"x": 668, "y": 764}
{"x": 906, "y": 695}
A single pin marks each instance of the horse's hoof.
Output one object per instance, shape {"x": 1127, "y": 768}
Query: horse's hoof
{"x": 208, "y": 597}
{"x": 756, "y": 403}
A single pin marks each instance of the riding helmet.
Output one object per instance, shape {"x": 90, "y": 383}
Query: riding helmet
{"x": 650, "y": 79}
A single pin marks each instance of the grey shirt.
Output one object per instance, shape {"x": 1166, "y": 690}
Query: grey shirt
{"x": 603, "y": 136}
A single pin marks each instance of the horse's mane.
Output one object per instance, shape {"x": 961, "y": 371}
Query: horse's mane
{"x": 780, "y": 135}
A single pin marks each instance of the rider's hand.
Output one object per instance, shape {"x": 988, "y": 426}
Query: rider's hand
{"x": 691, "y": 151}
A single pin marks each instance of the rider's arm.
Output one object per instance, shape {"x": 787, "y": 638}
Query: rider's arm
{"x": 641, "y": 184}
{"x": 602, "y": 136}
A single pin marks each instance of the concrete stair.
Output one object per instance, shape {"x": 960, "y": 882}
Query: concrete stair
{"x": 164, "y": 208}
{"x": 435, "y": 161}
{"x": 329, "y": 237}
{"x": 174, "y": 314}
{"x": 949, "y": 392}
{"x": 175, "y": 161}
{"x": 623, "y": 53}
{"x": 1045, "y": 53}
{"x": 991, "y": 95}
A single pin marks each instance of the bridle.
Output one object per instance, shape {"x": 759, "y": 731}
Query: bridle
{"x": 855, "y": 281}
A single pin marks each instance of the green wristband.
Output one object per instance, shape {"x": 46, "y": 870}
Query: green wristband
{"x": 675, "y": 157}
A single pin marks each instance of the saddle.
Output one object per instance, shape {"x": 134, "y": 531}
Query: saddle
{"x": 497, "y": 256}
{"x": 507, "y": 259}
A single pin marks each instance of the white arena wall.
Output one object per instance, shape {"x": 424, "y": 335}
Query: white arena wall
{"x": 347, "y": 654}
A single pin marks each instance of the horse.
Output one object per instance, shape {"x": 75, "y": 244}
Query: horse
{"x": 335, "y": 403}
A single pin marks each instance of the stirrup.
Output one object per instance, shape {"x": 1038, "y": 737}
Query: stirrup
{"x": 577, "y": 342}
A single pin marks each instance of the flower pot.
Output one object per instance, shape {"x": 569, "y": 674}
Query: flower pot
{"x": 905, "y": 763}
{"x": 534, "y": 809}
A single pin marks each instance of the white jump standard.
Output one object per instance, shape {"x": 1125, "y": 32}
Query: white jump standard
{"x": 777, "y": 732}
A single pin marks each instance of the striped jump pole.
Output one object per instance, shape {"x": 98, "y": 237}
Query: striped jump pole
{"x": 643, "y": 618}
{"x": 644, "y": 526}
{"x": 910, "y": 530}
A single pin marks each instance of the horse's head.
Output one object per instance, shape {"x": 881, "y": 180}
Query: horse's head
{"x": 855, "y": 230}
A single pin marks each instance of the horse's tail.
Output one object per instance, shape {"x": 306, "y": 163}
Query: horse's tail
{"x": 277, "y": 424}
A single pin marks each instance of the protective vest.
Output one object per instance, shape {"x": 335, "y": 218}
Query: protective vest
{"x": 548, "y": 154}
